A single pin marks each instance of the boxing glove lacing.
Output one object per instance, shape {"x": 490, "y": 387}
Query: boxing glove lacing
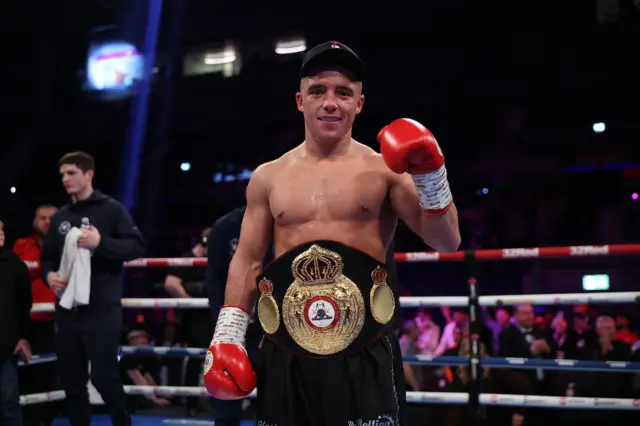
{"x": 433, "y": 189}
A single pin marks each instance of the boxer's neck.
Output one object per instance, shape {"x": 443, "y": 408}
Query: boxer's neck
{"x": 322, "y": 149}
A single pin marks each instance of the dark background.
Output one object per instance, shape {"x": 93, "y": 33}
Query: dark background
{"x": 511, "y": 90}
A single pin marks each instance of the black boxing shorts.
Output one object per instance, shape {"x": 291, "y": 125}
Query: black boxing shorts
{"x": 329, "y": 356}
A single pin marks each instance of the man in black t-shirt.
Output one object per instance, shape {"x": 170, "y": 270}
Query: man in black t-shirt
{"x": 189, "y": 282}
{"x": 197, "y": 327}
{"x": 222, "y": 247}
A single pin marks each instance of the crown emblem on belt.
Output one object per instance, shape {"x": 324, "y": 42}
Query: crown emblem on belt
{"x": 317, "y": 266}
{"x": 379, "y": 275}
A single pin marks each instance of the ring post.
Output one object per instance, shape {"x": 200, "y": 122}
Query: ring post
{"x": 475, "y": 372}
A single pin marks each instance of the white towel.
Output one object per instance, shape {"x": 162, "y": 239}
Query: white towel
{"x": 75, "y": 267}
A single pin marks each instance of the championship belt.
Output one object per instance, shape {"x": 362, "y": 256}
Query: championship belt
{"x": 324, "y": 298}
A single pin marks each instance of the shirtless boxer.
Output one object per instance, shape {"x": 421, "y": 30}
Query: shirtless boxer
{"x": 331, "y": 206}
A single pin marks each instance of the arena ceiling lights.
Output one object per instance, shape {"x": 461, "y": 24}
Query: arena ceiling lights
{"x": 290, "y": 46}
{"x": 226, "y": 56}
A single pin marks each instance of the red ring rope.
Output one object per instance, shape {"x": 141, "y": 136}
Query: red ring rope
{"x": 494, "y": 254}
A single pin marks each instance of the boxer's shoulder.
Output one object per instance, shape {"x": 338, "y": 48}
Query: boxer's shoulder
{"x": 270, "y": 171}
{"x": 367, "y": 153}
{"x": 265, "y": 173}
{"x": 374, "y": 158}
{"x": 375, "y": 162}
{"x": 271, "y": 168}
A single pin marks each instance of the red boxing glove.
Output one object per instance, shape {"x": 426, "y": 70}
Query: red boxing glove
{"x": 408, "y": 146}
{"x": 228, "y": 373}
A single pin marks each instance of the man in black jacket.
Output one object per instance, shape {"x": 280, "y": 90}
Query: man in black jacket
{"x": 523, "y": 340}
{"x": 15, "y": 304}
{"x": 91, "y": 333}
{"x": 197, "y": 328}
{"x": 222, "y": 244}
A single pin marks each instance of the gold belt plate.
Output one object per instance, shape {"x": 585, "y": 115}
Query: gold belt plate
{"x": 323, "y": 310}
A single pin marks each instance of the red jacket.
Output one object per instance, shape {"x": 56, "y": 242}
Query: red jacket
{"x": 28, "y": 249}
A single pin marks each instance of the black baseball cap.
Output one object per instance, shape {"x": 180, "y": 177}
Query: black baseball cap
{"x": 332, "y": 53}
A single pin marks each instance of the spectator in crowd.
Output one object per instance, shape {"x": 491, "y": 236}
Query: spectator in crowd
{"x": 447, "y": 340}
{"x": 522, "y": 340}
{"x": 141, "y": 371}
{"x": 581, "y": 336}
{"x": 414, "y": 374}
{"x": 454, "y": 348}
{"x": 581, "y": 308}
{"x": 623, "y": 331}
{"x": 500, "y": 320}
{"x": 197, "y": 327}
{"x": 560, "y": 344}
{"x": 15, "y": 304}
{"x": 609, "y": 347}
{"x": 604, "y": 384}
{"x": 429, "y": 333}
{"x": 544, "y": 320}
{"x": 494, "y": 381}
{"x": 409, "y": 347}
{"x": 42, "y": 338}
{"x": 562, "y": 383}
{"x": 503, "y": 318}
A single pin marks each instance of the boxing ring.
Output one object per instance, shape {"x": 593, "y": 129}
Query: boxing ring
{"x": 474, "y": 301}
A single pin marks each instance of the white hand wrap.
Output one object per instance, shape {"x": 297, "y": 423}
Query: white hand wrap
{"x": 433, "y": 189}
{"x": 231, "y": 326}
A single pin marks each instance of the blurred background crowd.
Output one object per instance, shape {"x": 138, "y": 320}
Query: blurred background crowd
{"x": 534, "y": 105}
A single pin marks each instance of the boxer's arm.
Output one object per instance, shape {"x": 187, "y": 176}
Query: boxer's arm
{"x": 255, "y": 236}
{"x": 441, "y": 232}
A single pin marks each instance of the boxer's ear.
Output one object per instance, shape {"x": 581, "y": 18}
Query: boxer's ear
{"x": 299, "y": 102}
{"x": 360, "y": 104}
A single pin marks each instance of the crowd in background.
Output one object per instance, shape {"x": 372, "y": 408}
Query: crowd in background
{"x": 581, "y": 333}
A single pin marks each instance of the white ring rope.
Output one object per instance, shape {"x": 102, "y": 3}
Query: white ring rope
{"x": 430, "y": 360}
{"x": 410, "y": 302}
{"x": 412, "y": 397}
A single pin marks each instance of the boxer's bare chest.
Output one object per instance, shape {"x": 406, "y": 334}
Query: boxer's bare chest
{"x": 327, "y": 192}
